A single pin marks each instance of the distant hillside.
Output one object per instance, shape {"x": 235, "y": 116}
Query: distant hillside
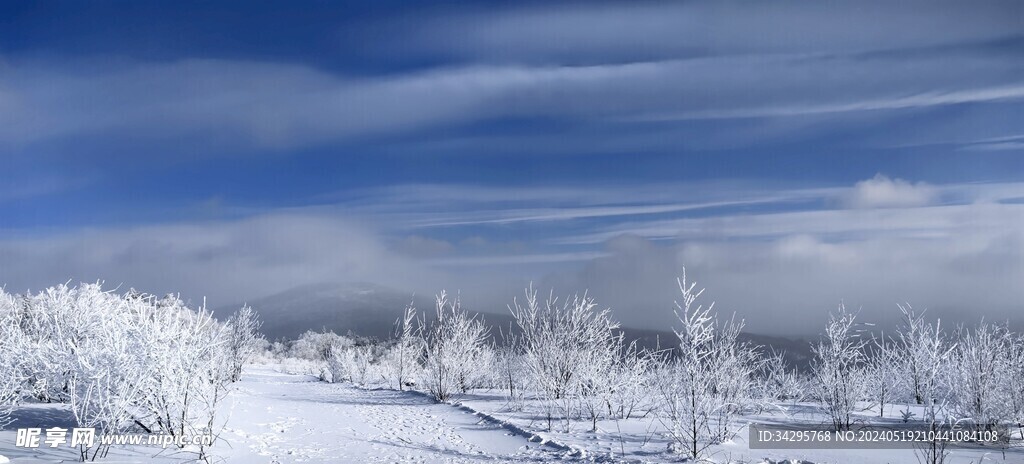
{"x": 371, "y": 310}
{"x": 796, "y": 352}
{"x": 363, "y": 308}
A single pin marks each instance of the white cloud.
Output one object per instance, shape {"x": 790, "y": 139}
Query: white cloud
{"x": 780, "y": 270}
{"x": 787, "y": 284}
{"x": 783, "y": 270}
{"x": 227, "y": 261}
{"x": 883, "y": 192}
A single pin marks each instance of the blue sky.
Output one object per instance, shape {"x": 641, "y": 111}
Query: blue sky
{"x": 789, "y": 154}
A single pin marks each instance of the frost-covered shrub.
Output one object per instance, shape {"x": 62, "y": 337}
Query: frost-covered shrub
{"x": 705, "y": 384}
{"x": 569, "y": 350}
{"x": 596, "y": 386}
{"x": 510, "y": 373}
{"x": 614, "y": 383}
{"x": 189, "y": 367}
{"x": 631, "y": 383}
{"x": 244, "y": 339}
{"x": 453, "y": 347}
{"x": 330, "y": 357}
{"x": 108, "y": 383}
{"x": 358, "y": 364}
{"x": 122, "y": 362}
{"x": 317, "y": 346}
{"x": 777, "y": 382}
{"x": 320, "y": 348}
{"x": 482, "y": 368}
{"x": 1015, "y": 385}
{"x": 838, "y": 369}
{"x": 298, "y": 366}
{"x": 340, "y": 366}
{"x": 925, "y": 352}
{"x": 11, "y": 347}
{"x": 882, "y": 373}
{"x": 402, "y": 361}
{"x": 980, "y": 375}
{"x": 55, "y": 322}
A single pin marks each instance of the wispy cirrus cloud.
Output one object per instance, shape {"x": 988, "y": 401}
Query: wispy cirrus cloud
{"x": 273, "y": 105}
{"x": 608, "y": 31}
{"x": 665, "y": 210}
{"x": 447, "y": 206}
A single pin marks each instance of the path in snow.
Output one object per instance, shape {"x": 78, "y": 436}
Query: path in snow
{"x": 280, "y": 418}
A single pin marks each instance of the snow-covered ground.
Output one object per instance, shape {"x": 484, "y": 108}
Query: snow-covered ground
{"x": 294, "y": 418}
{"x": 641, "y": 439}
{"x": 285, "y": 418}
{"x": 277, "y": 417}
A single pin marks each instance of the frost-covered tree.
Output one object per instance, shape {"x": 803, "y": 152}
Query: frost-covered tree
{"x": 481, "y": 368}
{"x": 243, "y": 339}
{"x": 108, "y": 382}
{"x": 598, "y": 382}
{"x": 339, "y": 366}
{"x": 775, "y": 381}
{"x": 190, "y": 367}
{"x": 55, "y": 322}
{"x": 614, "y": 382}
{"x": 354, "y": 363}
{"x": 703, "y": 384}
{"x": 12, "y": 346}
{"x": 1015, "y": 385}
{"x": 121, "y": 362}
{"x": 321, "y": 348}
{"x": 452, "y": 345}
{"x": 925, "y": 352}
{"x": 332, "y": 352}
{"x": 317, "y": 346}
{"x": 630, "y": 383}
{"x": 510, "y": 371}
{"x": 403, "y": 358}
{"x": 981, "y": 373}
{"x": 882, "y": 372}
{"x": 838, "y": 368}
{"x": 568, "y": 347}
